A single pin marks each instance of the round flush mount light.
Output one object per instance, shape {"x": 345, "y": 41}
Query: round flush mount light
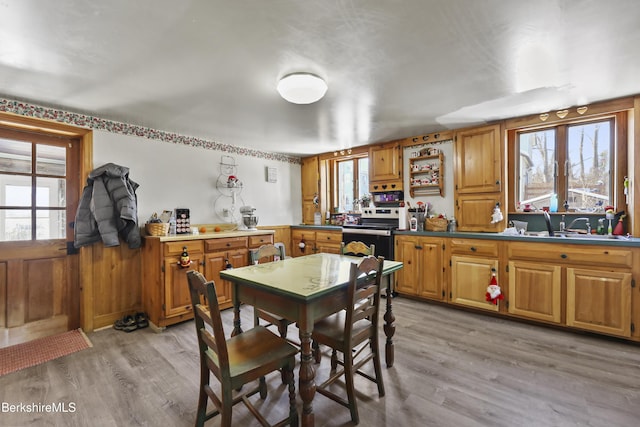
{"x": 302, "y": 88}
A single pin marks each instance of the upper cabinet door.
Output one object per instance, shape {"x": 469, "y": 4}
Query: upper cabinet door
{"x": 310, "y": 177}
{"x": 385, "y": 162}
{"x": 478, "y": 160}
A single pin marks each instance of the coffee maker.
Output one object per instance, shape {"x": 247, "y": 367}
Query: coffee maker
{"x": 249, "y": 219}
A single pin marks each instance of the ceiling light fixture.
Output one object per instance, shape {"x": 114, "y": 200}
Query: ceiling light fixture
{"x": 302, "y": 88}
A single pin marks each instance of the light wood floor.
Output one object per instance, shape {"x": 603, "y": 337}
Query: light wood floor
{"x": 452, "y": 368}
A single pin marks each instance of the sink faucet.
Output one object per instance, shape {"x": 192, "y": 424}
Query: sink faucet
{"x": 586, "y": 221}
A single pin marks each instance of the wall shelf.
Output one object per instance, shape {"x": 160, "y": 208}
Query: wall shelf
{"x": 426, "y": 175}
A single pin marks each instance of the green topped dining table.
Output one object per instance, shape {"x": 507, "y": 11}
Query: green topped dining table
{"x": 304, "y": 290}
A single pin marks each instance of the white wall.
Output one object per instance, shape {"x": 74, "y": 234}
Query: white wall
{"x": 181, "y": 176}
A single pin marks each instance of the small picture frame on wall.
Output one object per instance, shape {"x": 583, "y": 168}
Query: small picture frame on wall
{"x": 272, "y": 174}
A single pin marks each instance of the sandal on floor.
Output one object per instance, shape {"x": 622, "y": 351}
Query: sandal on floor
{"x": 127, "y": 324}
{"x": 142, "y": 321}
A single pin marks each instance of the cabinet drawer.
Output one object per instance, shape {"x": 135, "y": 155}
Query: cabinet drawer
{"x": 257, "y": 241}
{"x": 299, "y": 234}
{"x": 474, "y": 247}
{"x": 576, "y": 254}
{"x": 217, "y": 245}
{"x": 328, "y": 237}
{"x": 175, "y": 248}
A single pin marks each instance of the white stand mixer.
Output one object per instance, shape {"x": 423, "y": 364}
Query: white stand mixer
{"x": 249, "y": 219}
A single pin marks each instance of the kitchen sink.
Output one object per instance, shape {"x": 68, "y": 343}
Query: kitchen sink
{"x": 563, "y": 235}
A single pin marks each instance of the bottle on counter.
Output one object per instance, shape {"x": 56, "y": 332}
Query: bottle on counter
{"x": 553, "y": 203}
{"x": 562, "y": 224}
{"x": 172, "y": 225}
{"x": 453, "y": 225}
{"x": 413, "y": 224}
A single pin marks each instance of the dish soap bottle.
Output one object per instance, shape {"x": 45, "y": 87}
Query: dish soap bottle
{"x": 562, "y": 224}
{"x": 553, "y": 203}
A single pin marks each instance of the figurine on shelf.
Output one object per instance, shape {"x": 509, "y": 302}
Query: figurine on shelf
{"x": 185, "y": 260}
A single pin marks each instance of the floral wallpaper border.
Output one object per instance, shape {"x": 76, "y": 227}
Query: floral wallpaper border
{"x": 82, "y": 120}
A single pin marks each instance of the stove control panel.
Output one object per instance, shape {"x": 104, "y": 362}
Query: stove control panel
{"x": 381, "y": 213}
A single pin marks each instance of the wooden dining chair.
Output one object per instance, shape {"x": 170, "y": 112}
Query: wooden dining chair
{"x": 269, "y": 253}
{"x": 241, "y": 359}
{"x": 354, "y": 333}
{"x": 357, "y": 248}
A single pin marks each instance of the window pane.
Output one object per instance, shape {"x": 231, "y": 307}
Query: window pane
{"x": 589, "y": 156}
{"x": 50, "y": 192}
{"x": 345, "y": 185}
{"x": 51, "y": 160}
{"x": 15, "y": 156}
{"x": 15, "y": 190}
{"x": 537, "y": 155}
{"x": 363, "y": 177}
{"x": 15, "y": 225}
{"x": 50, "y": 224}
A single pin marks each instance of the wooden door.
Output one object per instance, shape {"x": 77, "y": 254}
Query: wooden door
{"x": 431, "y": 274}
{"x": 385, "y": 162}
{"x": 478, "y": 160}
{"x": 470, "y": 277}
{"x": 39, "y": 280}
{"x": 177, "y": 300}
{"x": 408, "y": 277}
{"x": 599, "y": 301}
{"x": 535, "y": 290}
{"x": 215, "y": 263}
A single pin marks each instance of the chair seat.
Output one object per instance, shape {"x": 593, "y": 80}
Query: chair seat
{"x": 247, "y": 357}
{"x": 330, "y": 331}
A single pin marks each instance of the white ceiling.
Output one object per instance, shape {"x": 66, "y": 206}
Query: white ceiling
{"x": 395, "y": 68}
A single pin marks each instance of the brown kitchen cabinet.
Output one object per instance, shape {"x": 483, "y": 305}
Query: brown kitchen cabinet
{"x": 479, "y": 172}
{"x": 599, "y": 301}
{"x": 598, "y": 285}
{"x": 219, "y": 253}
{"x": 423, "y": 269}
{"x": 472, "y": 264}
{"x": 315, "y": 241}
{"x": 385, "y": 167}
{"x": 310, "y": 173}
{"x": 535, "y": 290}
{"x": 165, "y": 291}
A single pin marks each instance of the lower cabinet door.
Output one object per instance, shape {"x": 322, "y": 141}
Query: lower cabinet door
{"x": 215, "y": 263}
{"x": 535, "y": 290}
{"x": 177, "y": 300}
{"x": 470, "y": 277}
{"x": 599, "y": 301}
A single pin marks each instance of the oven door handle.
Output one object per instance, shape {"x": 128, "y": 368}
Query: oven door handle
{"x": 367, "y": 231}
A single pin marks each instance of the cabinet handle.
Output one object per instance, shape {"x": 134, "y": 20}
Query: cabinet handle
{"x": 228, "y": 244}
{"x": 393, "y": 186}
{"x": 497, "y": 182}
{"x": 473, "y": 249}
{"x": 375, "y": 187}
{"x": 563, "y": 256}
{"x": 418, "y": 247}
{"x": 384, "y": 186}
{"x": 188, "y": 307}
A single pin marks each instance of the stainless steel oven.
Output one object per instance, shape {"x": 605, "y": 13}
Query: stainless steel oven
{"x": 376, "y": 227}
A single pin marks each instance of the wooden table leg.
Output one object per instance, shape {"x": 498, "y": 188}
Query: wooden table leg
{"x": 237, "y": 328}
{"x": 389, "y": 328}
{"x": 307, "y": 375}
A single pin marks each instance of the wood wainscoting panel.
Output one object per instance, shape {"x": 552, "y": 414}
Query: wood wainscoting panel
{"x": 116, "y": 282}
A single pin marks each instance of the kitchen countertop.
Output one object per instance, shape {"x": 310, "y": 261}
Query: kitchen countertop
{"x": 632, "y": 241}
{"x": 210, "y": 235}
{"x": 319, "y": 227}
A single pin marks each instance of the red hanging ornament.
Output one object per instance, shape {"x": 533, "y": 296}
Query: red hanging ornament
{"x": 494, "y": 294}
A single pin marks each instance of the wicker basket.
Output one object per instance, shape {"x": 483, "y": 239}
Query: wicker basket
{"x": 436, "y": 224}
{"x": 157, "y": 228}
